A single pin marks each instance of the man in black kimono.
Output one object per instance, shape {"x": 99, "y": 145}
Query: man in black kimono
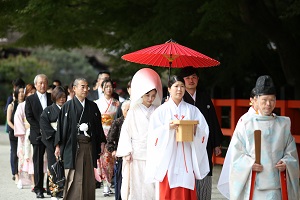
{"x": 79, "y": 141}
{"x": 202, "y": 101}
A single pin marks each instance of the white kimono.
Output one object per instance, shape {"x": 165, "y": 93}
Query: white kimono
{"x": 277, "y": 144}
{"x": 223, "y": 183}
{"x": 183, "y": 161}
{"x": 133, "y": 140}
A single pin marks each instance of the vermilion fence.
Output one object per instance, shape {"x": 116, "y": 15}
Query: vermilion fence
{"x": 230, "y": 110}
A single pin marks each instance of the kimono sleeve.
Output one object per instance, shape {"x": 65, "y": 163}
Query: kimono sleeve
{"x": 45, "y": 125}
{"x": 291, "y": 160}
{"x": 18, "y": 121}
{"x": 158, "y": 137}
{"x": 241, "y": 164}
{"x": 124, "y": 145}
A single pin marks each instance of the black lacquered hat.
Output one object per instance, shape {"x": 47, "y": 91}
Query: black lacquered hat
{"x": 264, "y": 86}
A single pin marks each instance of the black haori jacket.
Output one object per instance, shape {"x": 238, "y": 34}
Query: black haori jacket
{"x": 67, "y": 130}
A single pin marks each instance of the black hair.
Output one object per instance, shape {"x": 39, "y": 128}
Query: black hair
{"x": 18, "y": 82}
{"x": 108, "y": 80}
{"x": 58, "y": 81}
{"x": 94, "y": 83}
{"x": 174, "y": 79}
{"x": 16, "y": 92}
{"x": 188, "y": 71}
{"x": 103, "y": 72}
{"x": 57, "y": 93}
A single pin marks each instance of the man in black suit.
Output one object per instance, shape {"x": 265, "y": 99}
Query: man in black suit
{"x": 34, "y": 106}
{"x": 96, "y": 94}
{"x": 199, "y": 98}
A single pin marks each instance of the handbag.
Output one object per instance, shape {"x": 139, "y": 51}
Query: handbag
{"x": 58, "y": 173}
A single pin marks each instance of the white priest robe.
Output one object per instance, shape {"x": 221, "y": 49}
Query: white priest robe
{"x": 183, "y": 161}
{"x": 133, "y": 140}
{"x": 223, "y": 183}
{"x": 277, "y": 144}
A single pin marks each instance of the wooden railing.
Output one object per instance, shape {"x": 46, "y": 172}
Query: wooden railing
{"x": 230, "y": 110}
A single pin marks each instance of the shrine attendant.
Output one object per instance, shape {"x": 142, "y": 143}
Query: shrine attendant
{"x": 176, "y": 164}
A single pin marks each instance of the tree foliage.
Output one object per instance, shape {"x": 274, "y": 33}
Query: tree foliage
{"x": 23, "y": 67}
{"x": 67, "y": 65}
{"x": 239, "y": 33}
{"x": 19, "y": 67}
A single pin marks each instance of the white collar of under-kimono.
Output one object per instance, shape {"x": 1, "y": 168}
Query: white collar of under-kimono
{"x": 147, "y": 111}
{"x": 58, "y": 106}
{"x": 260, "y": 117}
{"x": 193, "y": 96}
{"x": 178, "y": 112}
{"x": 82, "y": 103}
{"x": 142, "y": 106}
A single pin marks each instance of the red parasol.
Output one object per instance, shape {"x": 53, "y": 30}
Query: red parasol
{"x": 170, "y": 54}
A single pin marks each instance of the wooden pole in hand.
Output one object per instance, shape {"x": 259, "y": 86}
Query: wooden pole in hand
{"x": 257, "y": 141}
{"x": 257, "y": 146}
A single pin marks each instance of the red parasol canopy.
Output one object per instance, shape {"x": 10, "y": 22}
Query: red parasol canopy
{"x": 170, "y": 54}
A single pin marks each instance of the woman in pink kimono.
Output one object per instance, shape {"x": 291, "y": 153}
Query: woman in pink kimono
{"x": 24, "y": 147}
{"x": 146, "y": 95}
{"x": 108, "y": 107}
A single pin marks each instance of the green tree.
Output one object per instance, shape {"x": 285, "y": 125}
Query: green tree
{"x": 239, "y": 33}
{"x": 19, "y": 67}
{"x": 66, "y": 65}
{"x": 23, "y": 67}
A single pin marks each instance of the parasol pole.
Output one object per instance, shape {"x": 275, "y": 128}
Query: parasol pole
{"x": 170, "y": 64}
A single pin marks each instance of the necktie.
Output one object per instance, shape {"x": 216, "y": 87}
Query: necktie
{"x": 43, "y": 101}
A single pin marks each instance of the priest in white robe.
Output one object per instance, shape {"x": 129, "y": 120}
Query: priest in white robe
{"x": 278, "y": 151}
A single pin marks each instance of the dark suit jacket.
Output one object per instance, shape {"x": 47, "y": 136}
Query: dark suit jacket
{"x": 93, "y": 95}
{"x": 33, "y": 111}
{"x": 205, "y": 105}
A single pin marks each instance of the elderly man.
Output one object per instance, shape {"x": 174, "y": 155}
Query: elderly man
{"x": 278, "y": 151}
{"x": 79, "y": 140}
{"x": 34, "y": 106}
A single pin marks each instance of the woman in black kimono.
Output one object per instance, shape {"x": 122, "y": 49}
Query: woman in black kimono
{"x": 48, "y": 124}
